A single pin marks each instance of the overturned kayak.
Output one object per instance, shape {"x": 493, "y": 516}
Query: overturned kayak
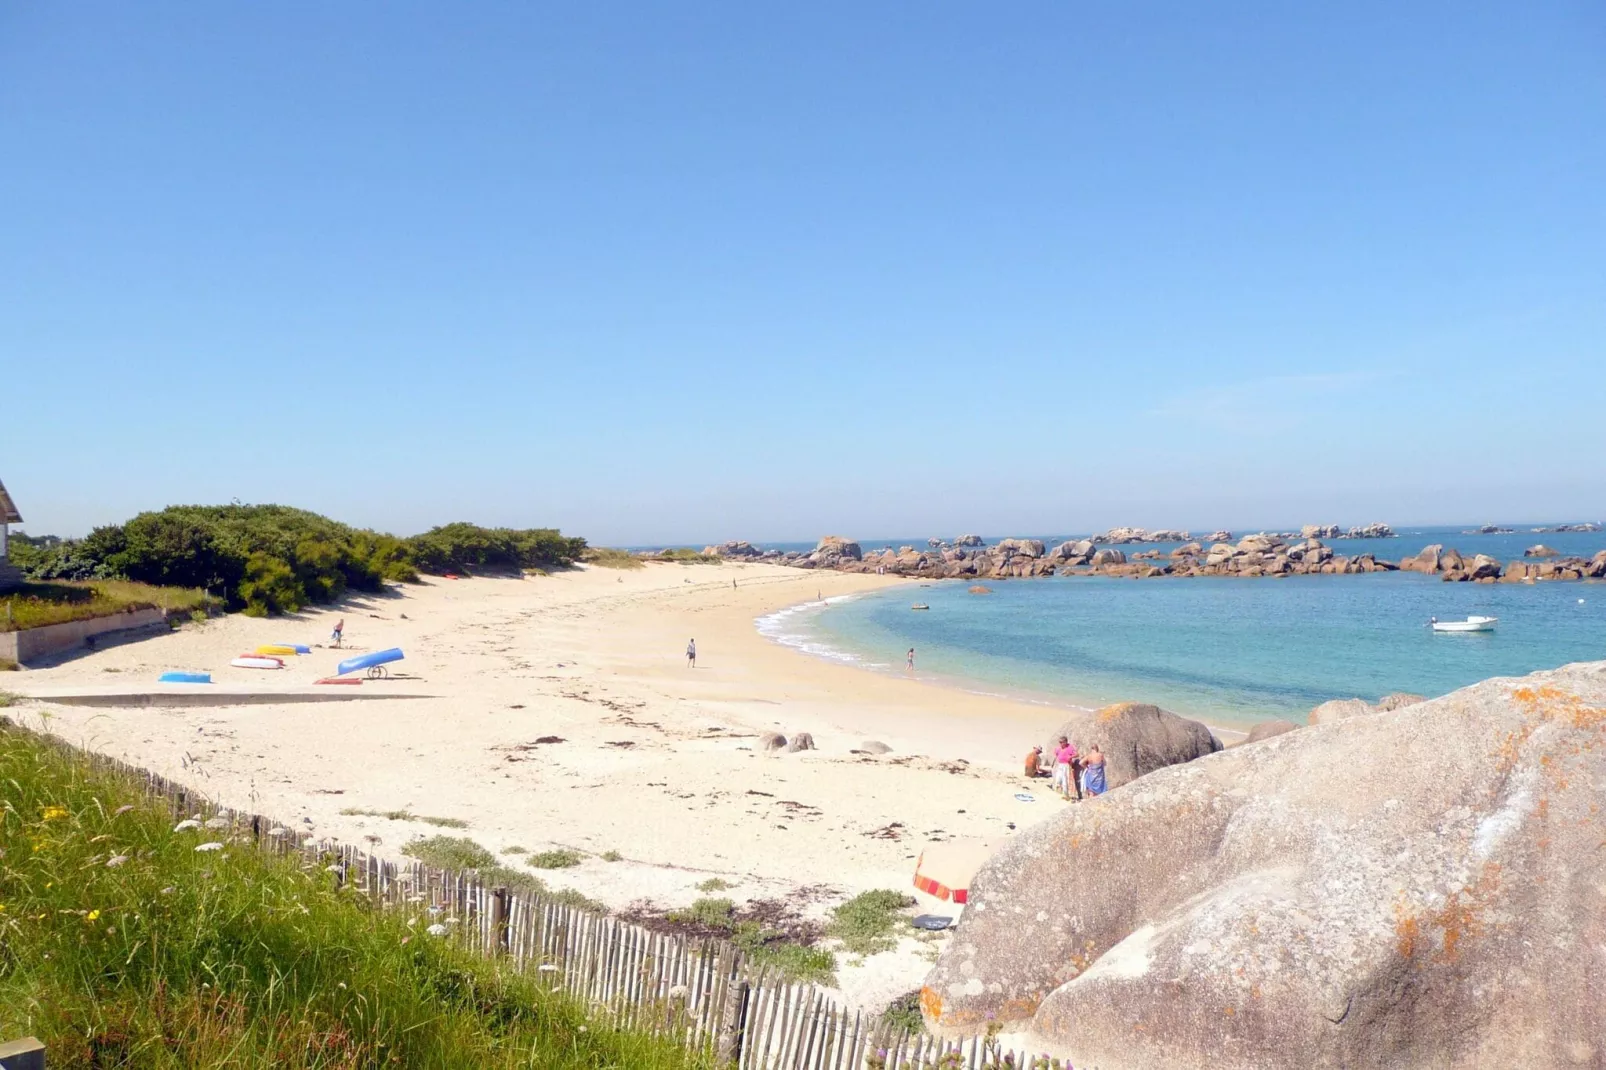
{"x": 283, "y": 650}
{"x": 369, "y": 661}
{"x": 257, "y": 661}
{"x": 184, "y": 678}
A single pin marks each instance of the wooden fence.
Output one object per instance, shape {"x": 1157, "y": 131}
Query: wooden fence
{"x": 702, "y": 991}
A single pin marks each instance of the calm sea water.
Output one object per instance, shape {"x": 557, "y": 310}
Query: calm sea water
{"x": 1229, "y": 651}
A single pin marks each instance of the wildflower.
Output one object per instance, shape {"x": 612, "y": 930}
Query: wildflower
{"x": 55, "y": 813}
{"x": 2, "y": 908}
{"x": 217, "y": 823}
{"x": 187, "y": 823}
{"x": 213, "y": 846}
{"x": 436, "y": 930}
{"x": 116, "y": 860}
{"x": 92, "y": 915}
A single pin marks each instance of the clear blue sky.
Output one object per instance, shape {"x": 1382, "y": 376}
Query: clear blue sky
{"x": 682, "y": 272}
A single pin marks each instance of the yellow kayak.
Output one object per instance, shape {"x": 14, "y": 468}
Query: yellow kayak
{"x": 277, "y": 651}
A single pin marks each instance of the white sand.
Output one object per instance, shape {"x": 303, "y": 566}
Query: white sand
{"x": 596, "y": 657}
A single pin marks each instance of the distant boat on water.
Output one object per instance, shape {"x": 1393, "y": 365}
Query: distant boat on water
{"x": 919, "y": 605}
{"x": 1471, "y": 624}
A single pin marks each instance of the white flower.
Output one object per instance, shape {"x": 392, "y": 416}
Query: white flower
{"x": 679, "y": 992}
{"x": 218, "y": 823}
{"x": 436, "y": 930}
{"x": 213, "y": 846}
{"x": 187, "y": 823}
{"x": 116, "y": 860}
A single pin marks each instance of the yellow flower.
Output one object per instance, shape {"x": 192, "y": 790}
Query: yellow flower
{"x": 93, "y": 914}
{"x": 53, "y": 813}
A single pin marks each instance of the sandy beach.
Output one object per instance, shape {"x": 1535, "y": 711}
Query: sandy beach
{"x": 658, "y": 762}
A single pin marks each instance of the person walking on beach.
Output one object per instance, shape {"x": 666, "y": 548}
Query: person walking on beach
{"x": 911, "y": 659}
{"x": 340, "y": 628}
{"x": 1093, "y": 771}
{"x": 1064, "y": 773}
{"x": 691, "y": 654}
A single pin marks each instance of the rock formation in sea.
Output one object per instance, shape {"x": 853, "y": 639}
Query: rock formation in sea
{"x": 1136, "y": 738}
{"x": 1268, "y": 729}
{"x": 1418, "y": 888}
{"x": 1261, "y": 554}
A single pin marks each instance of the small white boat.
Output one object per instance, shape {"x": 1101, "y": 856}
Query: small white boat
{"x": 257, "y": 661}
{"x": 919, "y": 605}
{"x": 1471, "y": 624}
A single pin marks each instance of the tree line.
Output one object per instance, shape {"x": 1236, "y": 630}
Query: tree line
{"x": 266, "y": 559}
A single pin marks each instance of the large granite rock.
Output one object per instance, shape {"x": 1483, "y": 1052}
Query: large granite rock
{"x": 1424, "y": 888}
{"x": 1107, "y": 557}
{"x": 1022, "y": 547}
{"x": 1268, "y": 729}
{"x": 1340, "y": 709}
{"x": 1425, "y": 561}
{"x": 969, "y": 540}
{"x": 1136, "y": 738}
{"x": 1320, "y": 531}
{"x": 835, "y": 546}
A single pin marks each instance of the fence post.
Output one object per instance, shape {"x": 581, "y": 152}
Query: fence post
{"x": 499, "y": 929}
{"x": 728, "y": 1052}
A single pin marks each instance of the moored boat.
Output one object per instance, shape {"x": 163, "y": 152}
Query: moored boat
{"x": 1471, "y": 624}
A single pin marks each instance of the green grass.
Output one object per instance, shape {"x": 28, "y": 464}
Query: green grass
{"x": 604, "y": 557}
{"x": 407, "y": 815}
{"x": 687, "y": 556}
{"x": 611, "y": 856}
{"x": 562, "y": 858}
{"x": 714, "y": 884}
{"x": 34, "y": 605}
{"x": 515, "y": 850}
{"x": 123, "y": 946}
{"x": 870, "y": 922}
{"x": 904, "y": 1013}
{"x": 8, "y": 699}
{"x": 460, "y": 852}
{"x": 7, "y": 665}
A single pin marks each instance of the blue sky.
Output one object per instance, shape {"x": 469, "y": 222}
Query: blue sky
{"x": 673, "y": 272}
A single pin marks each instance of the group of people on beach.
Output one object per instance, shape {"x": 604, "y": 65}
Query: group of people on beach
{"x": 1071, "y": 771}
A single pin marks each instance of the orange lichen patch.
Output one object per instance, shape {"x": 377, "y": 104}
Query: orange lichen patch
{"x": 1460, "y": 918}
{"x": 1230, "y": 1011}
{"x": 931, "y": 1004}
{"x": 1110, "y": 713}
{"x": 1550, "y": 703}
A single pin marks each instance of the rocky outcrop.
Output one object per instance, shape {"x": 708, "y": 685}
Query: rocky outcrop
{"x": 1540, "y": 550}
{"x": 1370, "y": 531}
{"x": 800, "y": 741}
{"x": 969, "y": 540}
{"x": 1218, "y": 536}
{"x": 1022, "y": 547}
{"x": 1136, "y": 739}
{"x": 1425, "y": 561}
{"x": 1108, "y": 557}
{"x": 1268, "y": 729}
{"x": 1567, "y": 527}
{"x": 739, "y": 549}
{"x": 977, "y": 588}
{"x": 1119, "y": 536}
{"x": 772, "y": 741}
{"x": 1423, "y": 888}
{"x": 1341, "y": 709}
{"x": 1320, "y": 531}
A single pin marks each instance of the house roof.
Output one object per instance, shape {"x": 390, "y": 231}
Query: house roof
{"x": 8, "y": 509}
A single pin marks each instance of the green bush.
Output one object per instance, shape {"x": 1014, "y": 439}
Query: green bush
{"x": 463, "y": 547}
{"x": 559, "y": 859}
{"x": 270, "y": 586}
{"x": 869, "y": 922}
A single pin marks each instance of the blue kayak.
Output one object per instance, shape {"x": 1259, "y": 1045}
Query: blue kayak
{"x": 368, "y": 661}
{"x": 299, "y": 648}
{"x": 184, "y": 678}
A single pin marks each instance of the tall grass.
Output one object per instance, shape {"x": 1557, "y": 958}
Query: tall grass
{"x": 34, "y": 605}
{"x": 607, "y": 557}
{"x": 126, "y": 942}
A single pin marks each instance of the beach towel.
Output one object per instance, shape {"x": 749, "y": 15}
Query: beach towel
{"x": 1093, "y": 779}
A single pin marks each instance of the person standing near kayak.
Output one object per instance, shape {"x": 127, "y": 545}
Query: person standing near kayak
{"x": 340, "y": 629}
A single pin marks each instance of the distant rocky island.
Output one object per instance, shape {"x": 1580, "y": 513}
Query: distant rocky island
{"x": 1261, "y": 554}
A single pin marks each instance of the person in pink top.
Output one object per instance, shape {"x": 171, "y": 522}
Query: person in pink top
{"x": 1065, "y": 779}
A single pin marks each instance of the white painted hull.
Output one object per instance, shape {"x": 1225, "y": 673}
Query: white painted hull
{"x": 1471, "y": 624}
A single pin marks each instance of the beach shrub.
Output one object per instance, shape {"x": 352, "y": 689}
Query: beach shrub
{"x": 463, "y": 547}
{"x": 34, "y": 605}
{"x": 869, "y": 922}
{"x": 558, "y": 859}
{"x": 604, "y": 557}
{"x": 685, "y": 555}
{"x": 123, "y": 945}
{"x": 273, "y": 558}
{"x": 904, "y": 1013}
{"x": 714, "y": 884}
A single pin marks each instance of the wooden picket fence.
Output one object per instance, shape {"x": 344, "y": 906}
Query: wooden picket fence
{"x": 702, "y": 991}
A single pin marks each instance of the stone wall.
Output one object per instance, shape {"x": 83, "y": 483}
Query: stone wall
{"x": 32, "y": 643}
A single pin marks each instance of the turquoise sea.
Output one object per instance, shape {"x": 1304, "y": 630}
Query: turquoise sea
{"x": 1228, "y": 651}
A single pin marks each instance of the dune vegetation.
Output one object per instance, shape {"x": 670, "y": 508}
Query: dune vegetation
{"x": 126, "y": 941}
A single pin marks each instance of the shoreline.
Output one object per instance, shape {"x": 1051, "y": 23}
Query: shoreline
{"x": 1226, "y": 730}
